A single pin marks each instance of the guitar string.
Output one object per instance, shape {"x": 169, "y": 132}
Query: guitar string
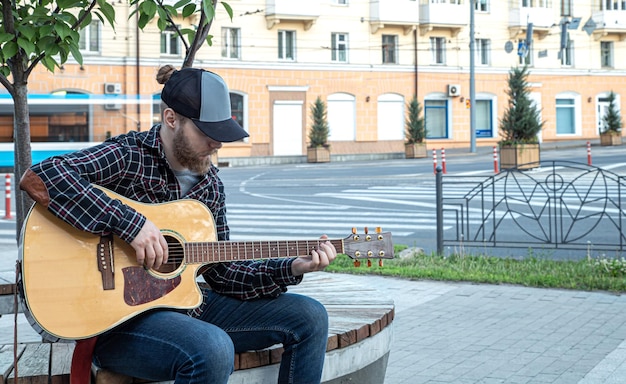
{"x": 176, "y": 253}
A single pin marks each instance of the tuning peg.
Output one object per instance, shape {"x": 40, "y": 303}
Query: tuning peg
{"x": 366, "y": 230}
{"x": 380, "y": 263}
{"x": 379, "y": 230}
{"x": 357, "y": 263}
{"x": 353, "y": 230}
{"x": 369, "y": 263}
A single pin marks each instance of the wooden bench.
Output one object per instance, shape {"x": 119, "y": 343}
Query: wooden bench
{"x": 360, "y": 334}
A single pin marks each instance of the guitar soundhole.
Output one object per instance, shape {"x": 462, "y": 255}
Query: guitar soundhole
{"x": 176, "y": 255}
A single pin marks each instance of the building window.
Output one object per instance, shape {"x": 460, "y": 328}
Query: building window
{"x": 483, "y": 48}
{"x": 566, "y": 7}
{"x": 339, "y": 2}
{"x": 231, "y": 46}
{"x": 536, "y": 3}
{"x": 565, "y": 116}
{"x": 484, "y": 118}
{"x": 339, "y": 47}
{"x": 482, "y": 5}
{"x": 436, "y": 119}
{"x": 390, "y": 49}
{"x": 170, "y": 42}
{"x": 613, "y": 5}
{"x": 438, "y": 50}
{"x": 606, "y": 54}
{"x": 287, "y": 45}
{"x": 237, "y": 109}
{"x": 525, "y": 52}
{"x": 567, "y": 54}
{"x": 90, "y": 38}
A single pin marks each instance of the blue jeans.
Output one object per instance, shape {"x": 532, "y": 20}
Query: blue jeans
{"x": 170, "y": 345}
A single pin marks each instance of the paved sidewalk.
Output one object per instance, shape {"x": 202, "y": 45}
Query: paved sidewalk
{"x": 465, "y": 333}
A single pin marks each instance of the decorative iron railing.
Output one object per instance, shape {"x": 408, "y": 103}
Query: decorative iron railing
{"x": 559, "y": 205}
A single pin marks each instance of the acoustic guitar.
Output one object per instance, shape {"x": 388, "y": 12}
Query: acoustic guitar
{"x": 77, "y": 285}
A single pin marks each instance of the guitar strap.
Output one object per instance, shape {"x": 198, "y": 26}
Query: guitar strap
{"x": 80, "y": 370}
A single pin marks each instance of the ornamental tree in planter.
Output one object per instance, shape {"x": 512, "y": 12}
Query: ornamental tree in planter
{"x": 318, "y": 150}
{"x": 415, "y": 133}
{"x": 612, "y": 133}
{"x": 520, "y": 125}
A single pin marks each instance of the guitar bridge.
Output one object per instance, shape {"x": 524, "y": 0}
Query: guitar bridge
{"x": 105, "y": 262}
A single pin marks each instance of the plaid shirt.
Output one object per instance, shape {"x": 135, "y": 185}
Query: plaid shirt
{"x": 134, "y": 165}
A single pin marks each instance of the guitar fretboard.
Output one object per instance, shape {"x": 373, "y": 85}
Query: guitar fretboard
{"x": 221, "y": 251}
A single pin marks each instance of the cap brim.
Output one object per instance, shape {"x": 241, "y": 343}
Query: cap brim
{"x": 223, "y": 131}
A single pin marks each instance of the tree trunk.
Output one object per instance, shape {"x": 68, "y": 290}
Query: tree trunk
{"x": 22, "y": 151}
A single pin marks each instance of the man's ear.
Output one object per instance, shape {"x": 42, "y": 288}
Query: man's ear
{"x": 169, "y": 117}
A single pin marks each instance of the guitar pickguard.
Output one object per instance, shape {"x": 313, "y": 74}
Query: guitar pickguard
{"x": 141, "y": 287}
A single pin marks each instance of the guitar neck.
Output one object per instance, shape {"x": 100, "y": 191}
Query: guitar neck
{"x": 222, "y": 251}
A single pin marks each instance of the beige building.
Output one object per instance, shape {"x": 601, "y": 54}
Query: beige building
{"x": 365, "y": 58}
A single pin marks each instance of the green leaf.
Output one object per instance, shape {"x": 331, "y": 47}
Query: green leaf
{"x": 26, "y": 31}
{"x": 162, "y": 16}
{"x": 228, "y": 9}
{"x": 4, "y": 37}
{"x": 45, "y": 30}
{"x": 65, "y": 4}
{"x": 161, "y": 24}
{"x": 149, "y": 8}
{"x": 9, "y": 50}
{"x": 26, "y": 45}
{"x": 108, "y": 11}
{"x": 143, "y": 20}
{"x": 182, "y": 3}
{"x": 62, "y": 30}
{"x": 189, "y": 10}
{"x": 46, "y": 43}
{"x": 209, "y": 40}
{"x": 4, "y": 70}
{"x": 86, "y": 21}
{"x": 207, "y": 7}
{"x": 170, "y": 10}
{"x": 76, "y": 53}
{"x": 49, "y": 63}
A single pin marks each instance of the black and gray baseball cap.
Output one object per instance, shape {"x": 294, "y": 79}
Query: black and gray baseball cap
{"x": 203, "y": 97}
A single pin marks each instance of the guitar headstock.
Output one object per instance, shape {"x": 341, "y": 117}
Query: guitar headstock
{"x": 368, "y": 246}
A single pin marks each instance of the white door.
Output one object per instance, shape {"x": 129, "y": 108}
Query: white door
{"x": 390, "y": 117}
{"x": 287, "y": 129}
{"x": 603, "y": 106}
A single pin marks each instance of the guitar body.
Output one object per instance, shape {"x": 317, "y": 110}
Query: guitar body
{"x": 64, "y": 289}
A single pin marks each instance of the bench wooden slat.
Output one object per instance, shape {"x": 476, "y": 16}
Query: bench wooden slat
{"x": 6, "y": 360}
{"x": 33, "y": 365}
{"x": 61, "y": 362}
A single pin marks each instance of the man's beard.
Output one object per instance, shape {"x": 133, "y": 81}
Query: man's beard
{"x": 187, "y": 157}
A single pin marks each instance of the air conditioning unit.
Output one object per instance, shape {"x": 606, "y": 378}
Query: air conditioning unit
{"x": 112, "y": 88}
{"x": 454, "y": 90}
{"x": 112, "y": 106}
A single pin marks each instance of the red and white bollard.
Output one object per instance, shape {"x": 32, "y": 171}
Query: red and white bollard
{"x": 434, "y": 161}
{"x": 495, "y": 159}
{"x": 588, "y": 153}
{"x": 7, "y": 194}
{"x": 443, "y": 160}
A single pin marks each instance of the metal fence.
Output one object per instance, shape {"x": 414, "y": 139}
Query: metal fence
{"x": 559, "y": 205}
